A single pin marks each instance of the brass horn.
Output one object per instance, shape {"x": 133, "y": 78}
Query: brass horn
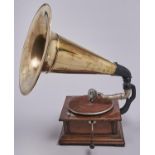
{"x": 46, "y": 51}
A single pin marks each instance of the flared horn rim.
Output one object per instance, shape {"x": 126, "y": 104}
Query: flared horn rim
{"x": 32, "y": 61}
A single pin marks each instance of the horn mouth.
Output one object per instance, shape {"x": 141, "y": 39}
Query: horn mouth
{"x": 35, "y": 49}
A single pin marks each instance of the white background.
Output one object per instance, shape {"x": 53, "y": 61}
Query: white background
{"x": 110, "y": 29}
{"x": 147, "y": 77}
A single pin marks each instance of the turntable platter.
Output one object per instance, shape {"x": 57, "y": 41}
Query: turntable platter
{"x": 82, "y": 106}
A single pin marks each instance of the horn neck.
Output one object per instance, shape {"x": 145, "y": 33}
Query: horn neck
{"x": 64, "y": 56}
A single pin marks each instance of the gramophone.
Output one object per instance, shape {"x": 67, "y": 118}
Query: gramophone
{"x": 92, "y": 119}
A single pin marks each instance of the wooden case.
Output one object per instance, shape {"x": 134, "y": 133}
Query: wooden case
{"x": 76, "y": 129}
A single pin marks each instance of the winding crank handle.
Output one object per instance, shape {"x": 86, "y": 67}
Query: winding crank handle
{"x": 92, "y": 146}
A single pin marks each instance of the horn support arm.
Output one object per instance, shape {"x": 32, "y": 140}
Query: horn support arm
{"x": 127, "y": 85}
{"x": 129, "y": 89}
